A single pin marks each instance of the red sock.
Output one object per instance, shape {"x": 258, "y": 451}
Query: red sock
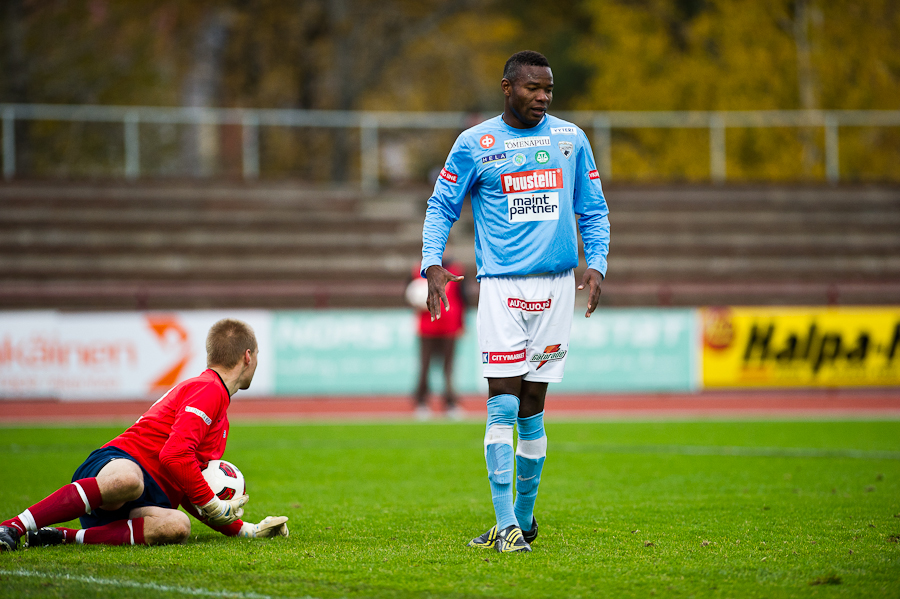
{"x": 65, "y": 504}
{"x": 15, "y": 523}
{"x": 121, "y": 532}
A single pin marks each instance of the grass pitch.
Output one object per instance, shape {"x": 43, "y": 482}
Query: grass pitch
{"x": 678, "y": 509}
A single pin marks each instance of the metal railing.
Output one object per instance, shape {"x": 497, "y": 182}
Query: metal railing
{"x": 370, "y": 123}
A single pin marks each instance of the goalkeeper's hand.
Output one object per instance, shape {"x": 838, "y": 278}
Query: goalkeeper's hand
{"x": 220, "y": 512}
{"x": 271, "y": 526}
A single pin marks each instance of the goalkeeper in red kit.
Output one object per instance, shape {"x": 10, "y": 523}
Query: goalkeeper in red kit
{"x": 129, "y": 490}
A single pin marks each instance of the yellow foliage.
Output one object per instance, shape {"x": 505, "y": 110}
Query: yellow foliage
{"x": 743, "y": 55}
{"x": 447, "y": 55}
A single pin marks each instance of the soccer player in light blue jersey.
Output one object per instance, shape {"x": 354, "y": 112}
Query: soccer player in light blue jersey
{"x": 529, "y": 175}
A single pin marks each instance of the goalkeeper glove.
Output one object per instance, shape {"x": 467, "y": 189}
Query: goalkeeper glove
{"x": 271, "y": 526}
{"x": 219, "y": 513}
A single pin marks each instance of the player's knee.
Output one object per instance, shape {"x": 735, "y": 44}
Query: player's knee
{"x": 122, "y": 487}
{"x": 171, "y": 528}
{"x": 533, "y": 396}
{"x": 130, "y": 486}
{"x": 120, "y": 481}
{"x": 503, "y": 408}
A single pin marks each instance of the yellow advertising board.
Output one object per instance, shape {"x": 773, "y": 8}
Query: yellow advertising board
{"x": 801, "y": 347}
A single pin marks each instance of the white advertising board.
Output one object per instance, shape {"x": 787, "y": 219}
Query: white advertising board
{"x": 119, "y": 355}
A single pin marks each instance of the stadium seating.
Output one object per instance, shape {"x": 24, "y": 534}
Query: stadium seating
{"x": 166, "y": 245}
{"x": 763, "y": 245}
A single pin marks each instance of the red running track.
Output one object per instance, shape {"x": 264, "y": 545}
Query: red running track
{"x": 828, "y": 403}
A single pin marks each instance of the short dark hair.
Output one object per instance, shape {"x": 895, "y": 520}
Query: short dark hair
{"x": 227, "y": 341}
{"x": 525, "y": 58}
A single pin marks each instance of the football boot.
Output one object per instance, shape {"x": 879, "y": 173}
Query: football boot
{"x": 44, "y": 537}
{"x": 510, "y": 540}
{"x": 487, "y": 540}
{"x": 531, "y": 535}
{"x": 9, "y": 538}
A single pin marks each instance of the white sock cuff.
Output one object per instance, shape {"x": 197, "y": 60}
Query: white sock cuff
{"x": 79, "y": 536}
{"x": 131, "y": 531}
{"x": 532, "y": 450}
{"x": 28, "y": 520}
{"x": 499, "y": 433}
{"x": 87, "y": 504}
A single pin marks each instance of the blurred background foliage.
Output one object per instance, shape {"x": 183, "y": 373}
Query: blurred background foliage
{"x": 447, "y": 55}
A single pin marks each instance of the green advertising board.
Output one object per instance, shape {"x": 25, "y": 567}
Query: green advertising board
{"x": 632, "y": 350}
{"x": 375, "y": 352}
{"x": 344, "y": 352}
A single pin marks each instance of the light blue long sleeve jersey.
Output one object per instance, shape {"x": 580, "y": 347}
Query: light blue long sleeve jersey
{"x": 527, "y": 185}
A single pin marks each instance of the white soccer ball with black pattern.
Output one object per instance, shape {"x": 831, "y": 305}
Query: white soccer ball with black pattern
{"x": 225, "y": 479}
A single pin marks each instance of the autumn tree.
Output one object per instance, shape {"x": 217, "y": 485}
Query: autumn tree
{"x": 738, "y": 55}
{"x": 446, "y": 55}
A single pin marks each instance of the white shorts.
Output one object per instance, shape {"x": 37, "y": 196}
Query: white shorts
{"x": 524, "y": 325}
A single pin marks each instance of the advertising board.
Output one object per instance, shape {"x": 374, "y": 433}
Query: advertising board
{"x": 113, "y": 355}
{"x": 801, "y": 347}
{"x": 376, "y": 351}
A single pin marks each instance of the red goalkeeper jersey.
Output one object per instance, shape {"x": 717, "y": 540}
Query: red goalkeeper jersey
{"x": 186, "y": 427}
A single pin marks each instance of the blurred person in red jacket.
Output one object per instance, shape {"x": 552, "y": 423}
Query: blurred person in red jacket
{"x": 437, "y": 339}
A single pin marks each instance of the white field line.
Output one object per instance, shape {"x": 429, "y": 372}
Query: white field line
{"x": 568, "y": 447}
{"x": 717, "y": 450}
{"x": 150, "y": 586}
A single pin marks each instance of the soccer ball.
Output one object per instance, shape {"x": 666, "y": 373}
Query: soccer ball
{"x": 417, "y": 293}
{"x": 224, "y": 478}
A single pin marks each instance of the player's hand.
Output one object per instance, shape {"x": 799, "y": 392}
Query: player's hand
{"x": 220, "y": 512}
{"x": 271, "y": 526}
{"x": 438, "y": 277}
{"x": 592, "y": 279}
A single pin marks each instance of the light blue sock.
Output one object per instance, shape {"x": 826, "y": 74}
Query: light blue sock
{"x": 530, "y": 454}
{"x": 498, "y": 455}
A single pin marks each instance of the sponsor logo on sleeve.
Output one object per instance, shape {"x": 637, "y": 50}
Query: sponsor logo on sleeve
{"x": 503, "y": 357}
{"x": 493, "y": 158}
{"x": 529, "y": 305}
{"x": 551, "y": 353}
{"x": 563, "y": 131}
{"x": 542, "y": 157}
{"x": 199, "y": 413}
{"x": 524, "y": 143}
{"x": 448, "y": 176}
{"x": 594, "y": 175}
{"x": 486, "y": 141}
{"x": 566, "y": 147}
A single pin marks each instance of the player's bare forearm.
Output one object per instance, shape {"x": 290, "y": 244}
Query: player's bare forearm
{"x": 592, "y": 279}
{"x": 438, "y": 277}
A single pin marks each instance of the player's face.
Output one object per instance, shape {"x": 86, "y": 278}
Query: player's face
{"x": 529, "y": 95}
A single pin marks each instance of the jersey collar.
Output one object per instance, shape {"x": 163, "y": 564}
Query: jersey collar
{"x": 224, "y": 386}
{"x": 510, "y": 128}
